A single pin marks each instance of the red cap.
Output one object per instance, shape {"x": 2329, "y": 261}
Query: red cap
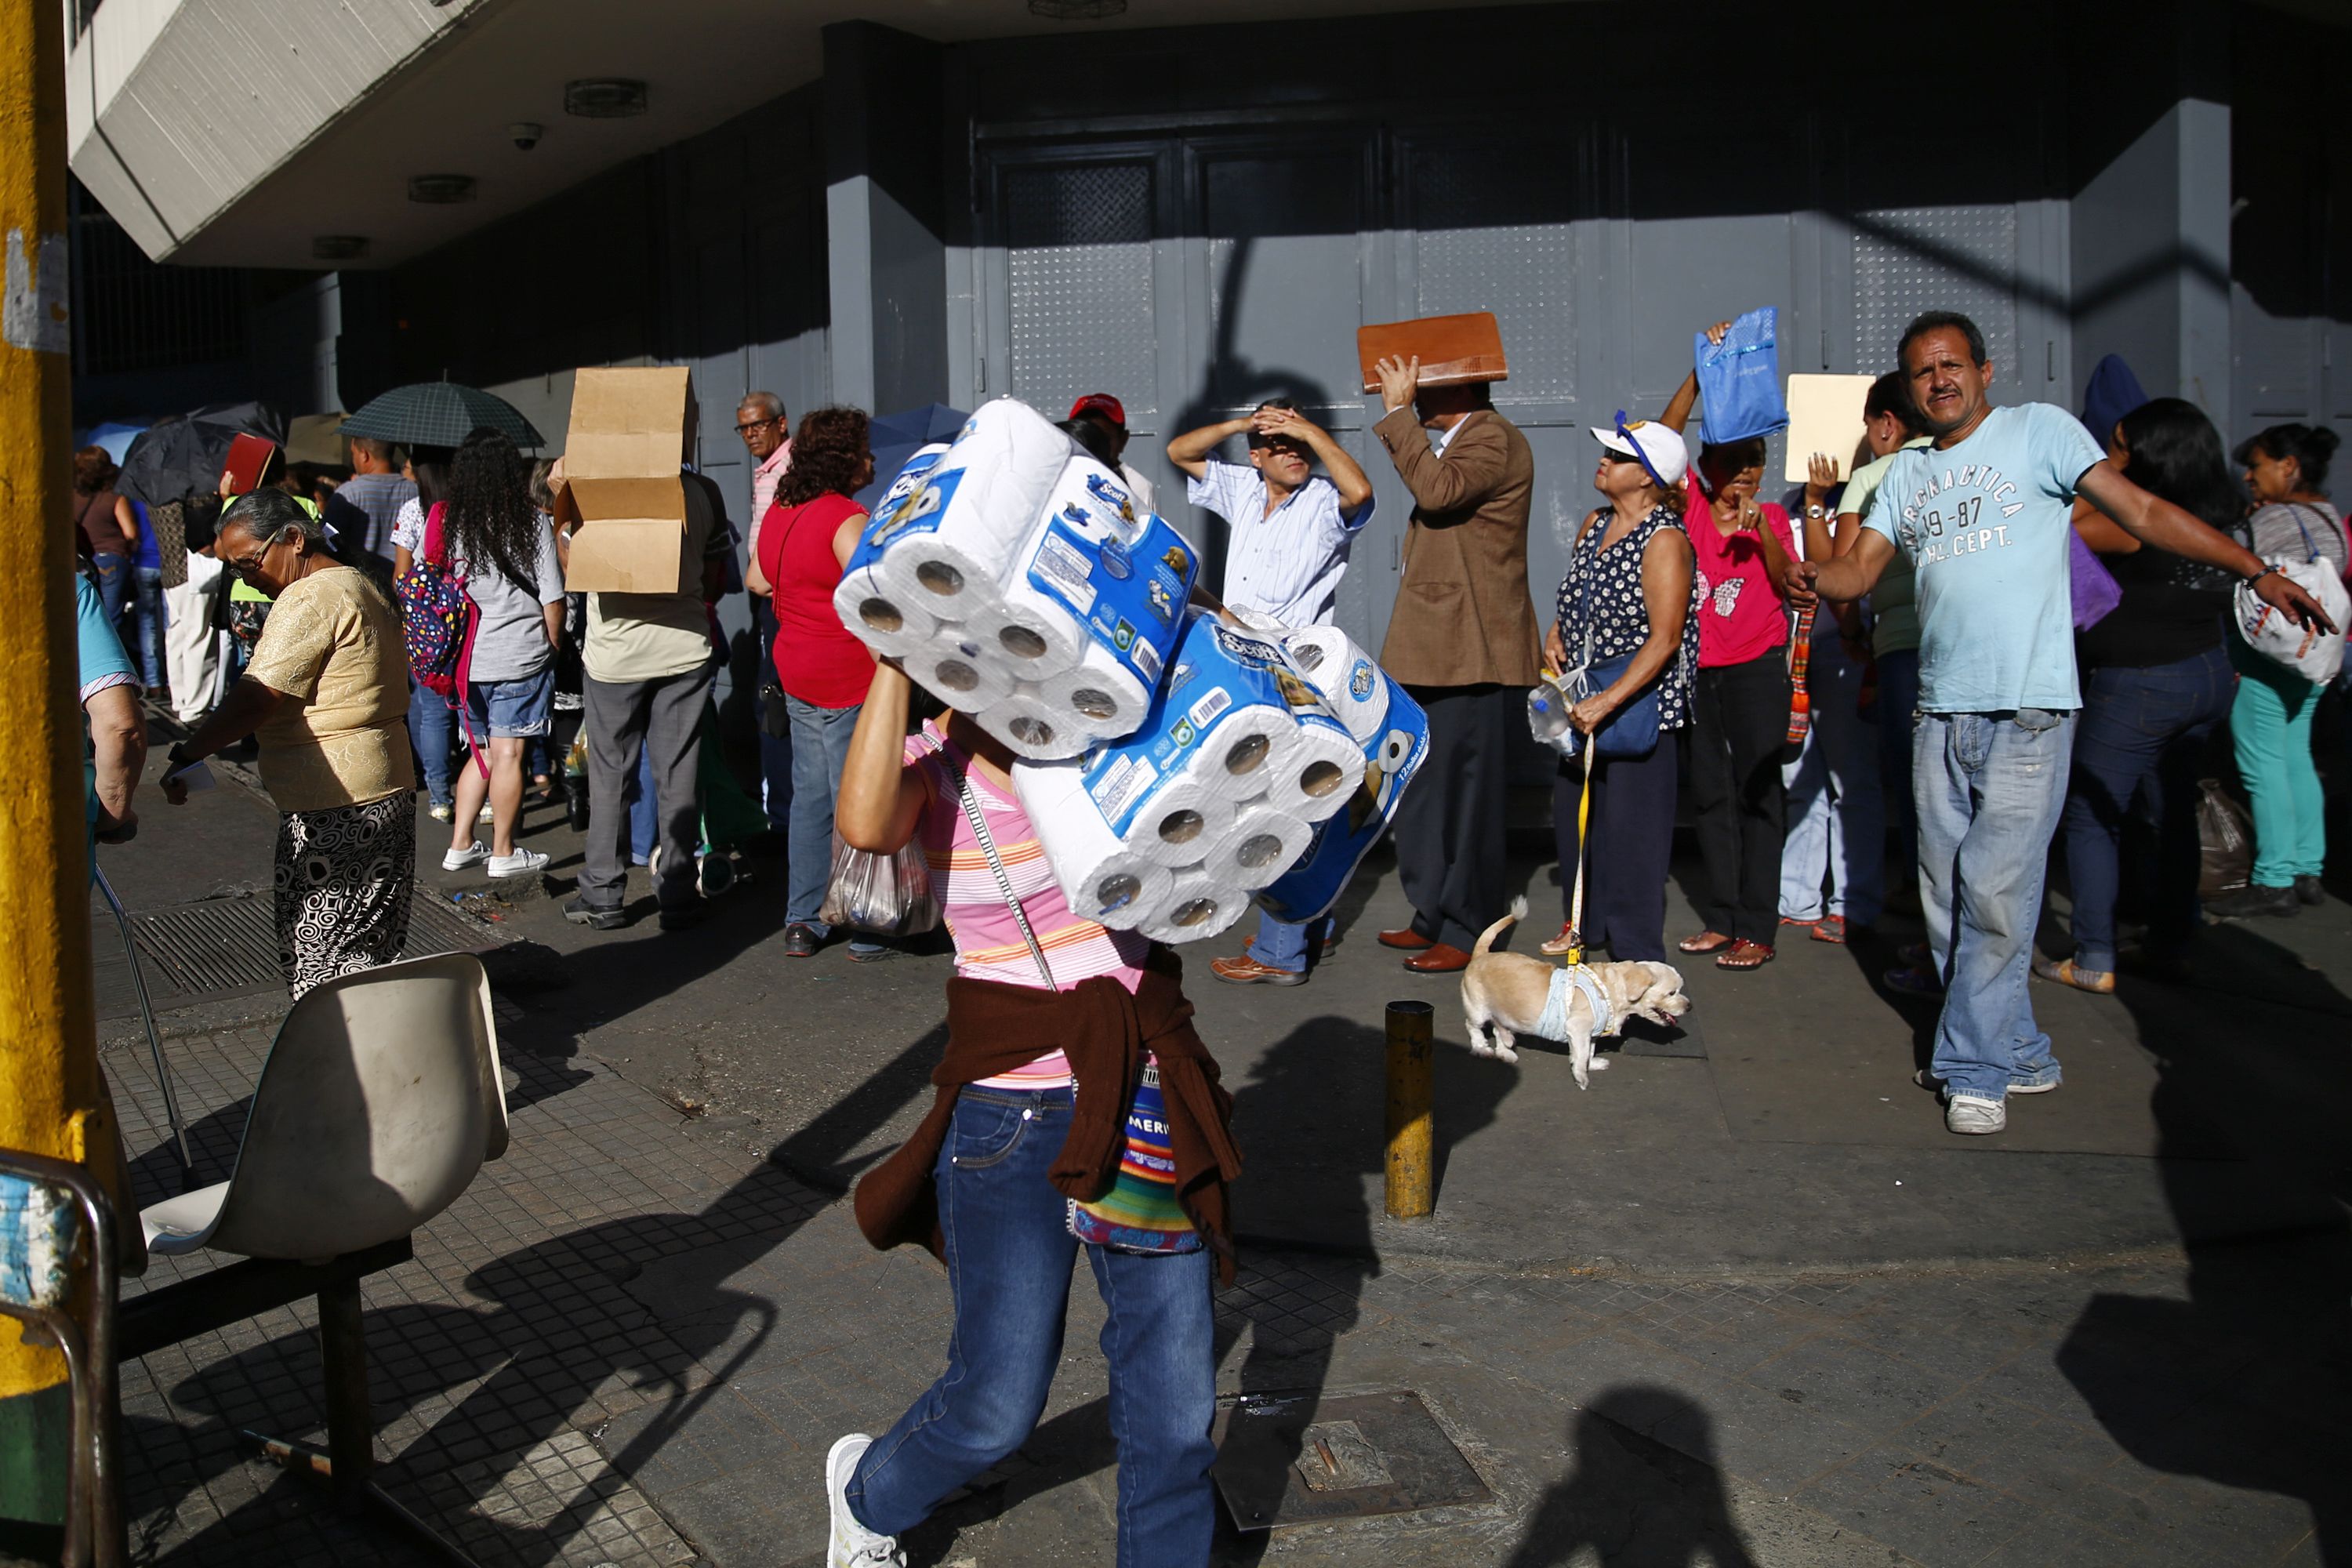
{"x": 1101, "y": 403}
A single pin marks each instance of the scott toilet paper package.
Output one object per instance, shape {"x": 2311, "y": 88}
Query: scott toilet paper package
{"x": 1392, "y": 752}
{"x": 1013, "y": 575}
{"x": 1218, "y": 793}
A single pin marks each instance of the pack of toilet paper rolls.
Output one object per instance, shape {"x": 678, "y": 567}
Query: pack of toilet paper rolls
{"x": 1393, "y": 733}
{"x": 1013, "y": 576}
{"x": 1169, "y": 830}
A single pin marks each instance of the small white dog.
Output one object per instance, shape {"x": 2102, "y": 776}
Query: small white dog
{"x": 1516, "y": 996}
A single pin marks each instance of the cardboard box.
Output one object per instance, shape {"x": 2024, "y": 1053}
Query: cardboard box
{"x": 1825, "y": 415}
{"x": 622, "y": 482}
{"x": 1453, "y": 349}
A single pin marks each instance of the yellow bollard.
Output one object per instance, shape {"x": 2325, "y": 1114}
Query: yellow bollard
{"x": 52, "y": 1097}
{"x": 1412, "y": 1136}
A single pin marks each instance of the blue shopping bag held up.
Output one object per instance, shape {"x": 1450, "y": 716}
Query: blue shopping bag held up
{"x": 1739, "y": 379}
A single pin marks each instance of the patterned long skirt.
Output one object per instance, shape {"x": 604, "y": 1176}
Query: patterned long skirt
{"x": 343, "y": 881}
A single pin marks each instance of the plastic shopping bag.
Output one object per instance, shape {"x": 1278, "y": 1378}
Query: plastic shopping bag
{"x": 1739, "y": 380}
{"x": 887, "y": 894}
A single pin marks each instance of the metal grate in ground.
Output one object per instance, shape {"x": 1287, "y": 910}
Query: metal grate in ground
{"x": 231, "y": 944}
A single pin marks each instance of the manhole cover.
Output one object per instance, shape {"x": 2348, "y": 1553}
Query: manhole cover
{"x": 1290, "y": 1458}
{"x": 231, "y": 944}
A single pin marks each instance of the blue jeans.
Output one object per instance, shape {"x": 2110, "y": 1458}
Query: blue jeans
{"x": 432, "y": 731}
{"x": 1837, "y": 820}
{"x": 147, "y": 604}
{"x": 2141, "y": 736}
{"x": 1899, "y": 704}
{"x": 113, "y": 574}
{"x": 1988, "y": 788}
{"x": 820, "y": 748}
{"x": 1009, "y": 1252}
{"x": 1286, "y": 947}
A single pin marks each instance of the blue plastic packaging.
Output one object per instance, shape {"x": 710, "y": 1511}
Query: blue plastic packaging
{"x": 1739, "y": 379}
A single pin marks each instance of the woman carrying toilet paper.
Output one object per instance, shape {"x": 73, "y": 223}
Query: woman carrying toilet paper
{"x": 1291, "y": 530}
{"x": 823, "y": 670}
{"x": 1076, "y": 1110}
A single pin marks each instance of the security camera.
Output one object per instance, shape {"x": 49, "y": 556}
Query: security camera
{"x": 526, "y": 135}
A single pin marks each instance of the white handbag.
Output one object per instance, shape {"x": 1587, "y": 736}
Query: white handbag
{"x": 2315, "y": 655}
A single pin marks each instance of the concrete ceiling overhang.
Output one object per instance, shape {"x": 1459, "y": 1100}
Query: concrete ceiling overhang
{"x": 233, "y": 132}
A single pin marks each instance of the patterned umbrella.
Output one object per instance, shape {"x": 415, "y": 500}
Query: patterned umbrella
{"x": 438, "y": 413}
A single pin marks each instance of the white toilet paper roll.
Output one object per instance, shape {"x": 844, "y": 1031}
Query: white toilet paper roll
{"x": 1027, "y": 723}
{"x": 1181, "y": 821}
{"x": 893, "y": 625}
{"x": 1248, "y": 751}
{"x": 1102, "y": 879}
{"x": 1326, "y": 766}
{"x": 1261, "y": 845}
{"x": 960, "y": 674}
{"x": 1194, "y": 908}
{"x": 1033, "y": 639}
{"x": 1351, "y": 684}
{"x": 1099, "y": 693}
{"x": 948, "y": 576}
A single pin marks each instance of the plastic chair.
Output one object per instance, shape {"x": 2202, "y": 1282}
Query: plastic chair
{"x": 380, "y": 1101}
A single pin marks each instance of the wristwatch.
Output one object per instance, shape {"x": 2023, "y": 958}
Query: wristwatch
{"x": 2267, "y": 569}
{"x": 1816, "y": 510}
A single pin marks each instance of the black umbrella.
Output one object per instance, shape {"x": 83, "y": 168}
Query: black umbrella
{"x": 895, "y": 437}
{"x": 183, "y": 455}
{"x": 438, "y": 413}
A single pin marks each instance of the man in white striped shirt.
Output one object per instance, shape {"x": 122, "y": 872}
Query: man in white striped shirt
{"x": 1288, "y": 533}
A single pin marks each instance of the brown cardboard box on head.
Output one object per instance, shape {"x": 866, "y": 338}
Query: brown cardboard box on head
{"x": 622, "y": 482}
{"x": 1453, "y": 349}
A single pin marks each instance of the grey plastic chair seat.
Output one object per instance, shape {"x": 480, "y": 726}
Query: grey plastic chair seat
{"x": 379, "y": 1103}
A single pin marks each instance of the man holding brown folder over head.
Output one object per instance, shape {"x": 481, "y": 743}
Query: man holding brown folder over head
{"x": 1463, "y": 636}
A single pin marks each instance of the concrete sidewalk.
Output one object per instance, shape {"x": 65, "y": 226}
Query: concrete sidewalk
{"x": 1690, "y": 1308}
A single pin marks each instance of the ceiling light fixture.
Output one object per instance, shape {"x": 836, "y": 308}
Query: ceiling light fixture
{"x": 1077, "y": 10}
{"x": 337, "y": 246}
{"x": 605, "y": 98}
{"x": 441, "y": 190}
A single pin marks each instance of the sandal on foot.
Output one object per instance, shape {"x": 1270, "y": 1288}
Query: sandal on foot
{"x": 1705, "y": 943}
{"x": 1746, "y": 954}
{"x": 1567, "y": 941}
{"x": 2098, "y": 983}
{"x": 1830, "y": 929}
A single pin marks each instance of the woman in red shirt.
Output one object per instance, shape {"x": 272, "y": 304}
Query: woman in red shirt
{"x": 1739, "y": 704}
{"x": 805, "y": 542}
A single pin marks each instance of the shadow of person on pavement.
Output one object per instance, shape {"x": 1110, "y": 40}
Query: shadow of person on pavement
{"x": 1631, "y": 1501}
{"x": 2245, "y": 1382}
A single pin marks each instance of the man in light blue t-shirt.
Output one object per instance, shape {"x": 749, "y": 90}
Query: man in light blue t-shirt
{"x": 1983, "y": 515}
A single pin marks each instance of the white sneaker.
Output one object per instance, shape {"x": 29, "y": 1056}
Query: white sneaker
{"x": 486, "y": 814}
{"x": 2032, "y": 1088}
{"x": 1972, "y": 1113}
{"x": 458, "y": 859}
{"x": 441, "y": 811}
{"x": 521, "y": 863}
{"x": 852, "y": 1545}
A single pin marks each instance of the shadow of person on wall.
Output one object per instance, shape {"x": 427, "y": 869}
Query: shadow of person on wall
{"x": 2245, "y": 1382}
{"x": 1631, "y": 1501}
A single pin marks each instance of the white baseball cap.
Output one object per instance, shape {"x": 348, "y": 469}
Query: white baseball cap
{"x": 1660, "y": 448}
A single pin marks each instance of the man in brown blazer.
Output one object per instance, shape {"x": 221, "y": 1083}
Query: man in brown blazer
{"x": 1462, "y": 640}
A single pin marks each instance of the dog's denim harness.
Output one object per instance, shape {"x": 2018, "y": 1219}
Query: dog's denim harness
{"x": 1553, "y": 1023}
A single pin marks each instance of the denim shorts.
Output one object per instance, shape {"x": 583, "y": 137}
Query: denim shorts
{"x": 512, "y": 710}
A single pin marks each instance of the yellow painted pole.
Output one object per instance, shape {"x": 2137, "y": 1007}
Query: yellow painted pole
{"x": 1411, "y": 1138}
{"x": 51, "y": 1097}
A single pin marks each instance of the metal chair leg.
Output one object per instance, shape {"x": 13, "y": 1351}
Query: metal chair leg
{"x": 349, "y": 1458}
{"x": 154, "y": 1038}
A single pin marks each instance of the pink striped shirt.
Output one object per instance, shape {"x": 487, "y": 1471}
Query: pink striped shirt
{"x": 988, "y": 939}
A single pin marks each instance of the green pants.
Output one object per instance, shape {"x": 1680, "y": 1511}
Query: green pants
{"x": 2271, "y": 724}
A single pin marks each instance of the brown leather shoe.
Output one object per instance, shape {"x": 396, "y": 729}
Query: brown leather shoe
{"x": 1442, "y": 958}
{"x": 1408, "y": 939}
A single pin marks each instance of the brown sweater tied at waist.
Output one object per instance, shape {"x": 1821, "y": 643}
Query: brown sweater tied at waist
{"x": 994, "y": 1028}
